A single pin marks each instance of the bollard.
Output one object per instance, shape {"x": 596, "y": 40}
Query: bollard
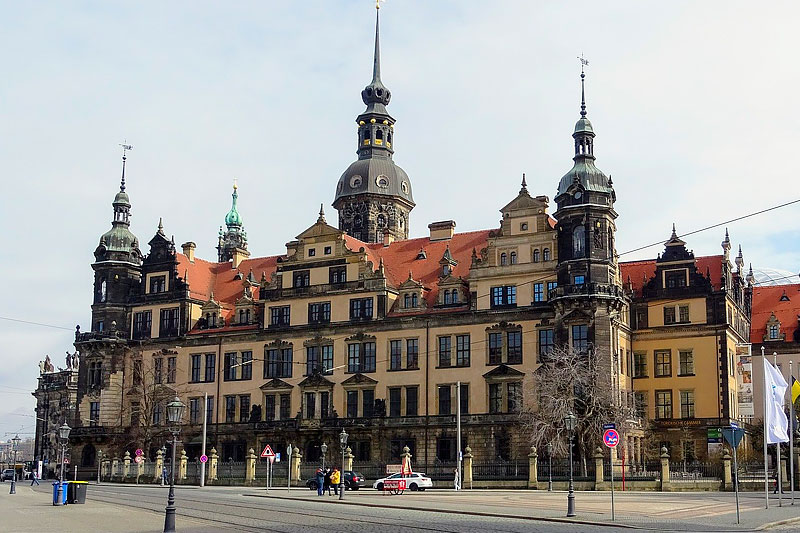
{"x": 533, "y": 469}
{"x": 467, "y": 467}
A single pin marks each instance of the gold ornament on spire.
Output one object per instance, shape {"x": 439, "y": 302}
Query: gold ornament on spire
{"x": 378, "y": 3}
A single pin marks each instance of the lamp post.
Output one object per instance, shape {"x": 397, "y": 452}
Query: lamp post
{"x": 324, "y": 450}
{"x": 63, "y": 434}
{"x": 14, "y": 444}
{"x": 162, "y": 474}
{"x": 99, "y": 464}
{"x": 571, "y": 422}
{"x": 343, "y": 443}
{"x": 175, "y": 410}
{"x": 549, "y": 467}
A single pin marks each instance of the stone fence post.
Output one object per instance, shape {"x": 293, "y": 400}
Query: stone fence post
{"x": 182, "y": 465}
{"x": 727, "y": 479}
{"x": 533, "y": 469}
{"x": 467, "y": 477}
{"x": 250, "y": 467}
{"x": 599, "y": 478}
{"x": 348, "y": 458}
{"x": 212, "y": 465}
{"x": 665, "y": 486}
{"x": 295, "y": 470}
{"x": 114, "y": 467}
{"x": 126, "y": 467}
{"x": 159, "y": 465}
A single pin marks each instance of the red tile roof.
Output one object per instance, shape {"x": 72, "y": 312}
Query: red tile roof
{"x": 767, "y": 300}
{"x": 639, "y": 270}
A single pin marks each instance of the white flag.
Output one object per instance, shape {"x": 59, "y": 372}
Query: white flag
{"x": 775, "y": 421}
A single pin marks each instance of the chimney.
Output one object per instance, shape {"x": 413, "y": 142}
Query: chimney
{"x": 388, "y": 238}
{"x": 188, "y": 250}
{"x": 442, "y": 231}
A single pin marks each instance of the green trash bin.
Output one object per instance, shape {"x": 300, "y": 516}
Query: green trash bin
{"x": 76, "y": 491}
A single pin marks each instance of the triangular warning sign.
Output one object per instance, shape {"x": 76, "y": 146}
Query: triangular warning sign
{"x": 267, "y": 452}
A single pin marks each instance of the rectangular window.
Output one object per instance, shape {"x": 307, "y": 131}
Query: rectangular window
{"x": 210, "y": 410}
{"x": 495, "y": 398}
{"x": 546, "y": 341}
{"x": 312, "y": 252}
{"x": 94, "y": 413}
{"x": 278, "y": 363}
{"x": 301, "y": 278}
{"x": 361, "y": 309}
{"x": 313, "y": 360}
{"x": 514, "y": 347}
{"x": 663, "y": 366}
{"x": 412, "y": 353}
{"x": 462, "y": 350}
{"x": 353, "y": 357}
{"x": 231, "y": 366}
{"x": 686, "y": 363}
{"x": 137, "y": 372}
{"x": 142, "y": 325}
{"x": 211, "y": 367}
{"x": 639, "y": 365}
{"x": 550, "y": 286}
{"x": 395, "y": 401}
{"x": 445, "y": 348}
{"x": 640, "y": 401}
{"x": 444, "y": 400}
{"x": 279, "y": 316}
{"x": 158, "y": 370}
{"x": 538, "y": 292}
{"x": 495, "y": 348}
{"x": 172, "y": 369}
{"x": 311, "y": 404}
{"x": 580, "y": 338}
{"x": 269, "y": 407}
{"x": 446, "y": 449}
{"x": 327, "y": 359}
{"x": 196, "y": 360}
{"x": 412, "y": 401}
{"x": 352, "y": 404}
{"x": 244, "y": 408}
{"x": 663, "y": 404}
{"x": 369, "y": 357}
{"x": 168, "y": 326}
{"x": 157, "y": 414}
{"x": 683, "y": 313}
{"x": 578, "y": 280}
{"x": 514, "y": 396}
{"x": 669, "y": 315}
{"x": 687, "y": 404}
{"x": 158, "y": 284}
{"x": 135, "y": 414}
{"x": 505, "y": 296}
{"x": 286, "y": 404}
{"x": 324, "y": 404}
{"x": 395, "y": 355}
{"x": 337, "y": 275}
{"x": 230, "y": 408}
{"x": 319, "y": 313}
{"x": 464, "y": 398}
{"x": 194, "y": 410}
{"x": 675, "y": 278}
{"x": 368, "y": 401}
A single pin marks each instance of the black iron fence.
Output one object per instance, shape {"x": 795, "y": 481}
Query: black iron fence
{"x": 500, "y": 470}
{"x": 695, "y": 471}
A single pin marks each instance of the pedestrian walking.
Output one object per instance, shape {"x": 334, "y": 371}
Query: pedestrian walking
{"x": 335, "y": 479}
{"x": 457, "y": 480}
{"x": 34, "y": 479}
{"x": 320, "y": 478}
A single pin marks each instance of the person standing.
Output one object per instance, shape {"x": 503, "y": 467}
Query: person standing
{"x": 320, "y": 477}
{"x": 335, "y": 479}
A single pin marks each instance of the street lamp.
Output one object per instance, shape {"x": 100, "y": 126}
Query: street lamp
{"x": 343, "y": 443}
{"x": 324, "y": 450}
{"x": 571, "y": 422}
{"x": 63, "y": 434}
{"x": 549, "y": 467}
{"x": 163, "y": 473}
{"x": 175, "y": 410}
{"x": 15, "y": 442}
{"x": 99, "y": 464}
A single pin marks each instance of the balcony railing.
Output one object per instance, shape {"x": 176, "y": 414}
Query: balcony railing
{"x": 584, "y": 289}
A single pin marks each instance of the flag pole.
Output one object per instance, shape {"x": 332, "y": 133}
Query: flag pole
{"x": 791, "y": 434}
{"x": 764, "y": 399}
{"x": 778, "y": 473}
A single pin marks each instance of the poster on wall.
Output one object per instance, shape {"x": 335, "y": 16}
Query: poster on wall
{"x": 744, "y": 382}
{"x": 714, "y": 441}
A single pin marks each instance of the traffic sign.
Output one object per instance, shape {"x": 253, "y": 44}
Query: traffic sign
{"x": 66, "y": 460}
{"x": 734, "y": 425}
{"x": 609, "y": 426}
{"x": 267, "y": 452}
{"x": 203, "y": 458}
{"x": 278, "y": 457}
{"x": 611, "y": 438}
{"x": 139, "y": 459}
{"x": 139, "y": 452}
{"x": 733, "y": 435}
{"x": 271, "y": 458}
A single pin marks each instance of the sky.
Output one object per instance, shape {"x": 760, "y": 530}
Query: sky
{"x": 692, "y": 104}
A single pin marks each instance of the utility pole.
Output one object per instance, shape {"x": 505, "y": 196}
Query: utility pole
{"x": 205, "y": 425}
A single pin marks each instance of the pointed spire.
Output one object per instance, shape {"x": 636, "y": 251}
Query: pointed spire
{"x": 376, "y": 92}
{"x": 160, "y": 226}
{"x": 583, "y": 92}
{"x": 750, "y": 278}
{"x": 674, "y": 234}
{"x": 321, "y": 219}
{"x": 524, "y": 188}
{"x": 376, "y": 60}
{"x": 125, "y": 147}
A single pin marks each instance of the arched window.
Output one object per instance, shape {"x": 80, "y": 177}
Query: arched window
{"x": 578, "y": 241}
{"x": 414, "y": 300}
{"x": 447, "y": 298}
{"x": 241, "y": 316}
{"x": 546, "y": 254}
{"x": 389, "y": 137}
{"x": 513, "y": 258}
{"x": 247, "y": 316}
{"x": 536, "y": 256}
{"x": 503, "y": 259}
{"x": 103, "y": 291}
{"x": 379, "y": 135}
{"x": 407, "y": 301}
{"x": 455, "y": 296}
{"x": 213, "y": 320}
{"x": 366, "y": 135}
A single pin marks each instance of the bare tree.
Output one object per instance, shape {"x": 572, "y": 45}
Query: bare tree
{"x": 571, "y": 382}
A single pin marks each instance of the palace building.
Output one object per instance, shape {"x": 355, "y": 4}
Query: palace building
{"x": 356, "y": 326}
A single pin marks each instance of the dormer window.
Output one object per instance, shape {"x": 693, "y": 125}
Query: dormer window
{"x": 773, "y": 328}
{"x": 675, "y": 278}
{"x": 158, "y": 284}
{"x": 445, "y": 270}
{"x": 774, "y": 331}
{"x": 414, "y": 300}
{"x": 410, "y": 300}
{"x": 407, "y": 301}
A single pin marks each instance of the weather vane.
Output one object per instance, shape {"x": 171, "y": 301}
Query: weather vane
{"x": 125, "y": 147}
{"x": 583, "y": 61}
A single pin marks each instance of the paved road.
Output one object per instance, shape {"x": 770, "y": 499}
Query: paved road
{"x": 129, "y": 509}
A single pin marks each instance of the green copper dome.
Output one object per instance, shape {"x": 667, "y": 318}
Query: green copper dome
{"x": 233, "y": 218}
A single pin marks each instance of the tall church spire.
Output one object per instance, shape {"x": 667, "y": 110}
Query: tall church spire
{"x": 232, "y": 242}
{"x": 375, "y": 95}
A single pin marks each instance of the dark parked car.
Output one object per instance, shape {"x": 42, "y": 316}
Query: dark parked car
{"x": 8, "y": 473}
{"x": 352, "y": 481}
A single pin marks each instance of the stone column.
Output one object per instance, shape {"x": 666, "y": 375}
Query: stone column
{"x": 250, "y": 467}
{"x": 114, "y": 466}
{"x": 182, "y": 465}
{"x": 126, "y": 467}
{"x": 533, "y": 469}
{"x": 296, "y": 457}
{"x": 348, "y": 458}
{"x": 467, "y": 477}
{"x": 212, "y": 465}
{"x": 159, "y": 465}
{"x": 598, "y": 469}
{"x": 665, "y": 487}
{"x": 727, "y": 478}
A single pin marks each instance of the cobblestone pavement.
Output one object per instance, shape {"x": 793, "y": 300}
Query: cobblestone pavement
{"x": 128, "y": 509}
